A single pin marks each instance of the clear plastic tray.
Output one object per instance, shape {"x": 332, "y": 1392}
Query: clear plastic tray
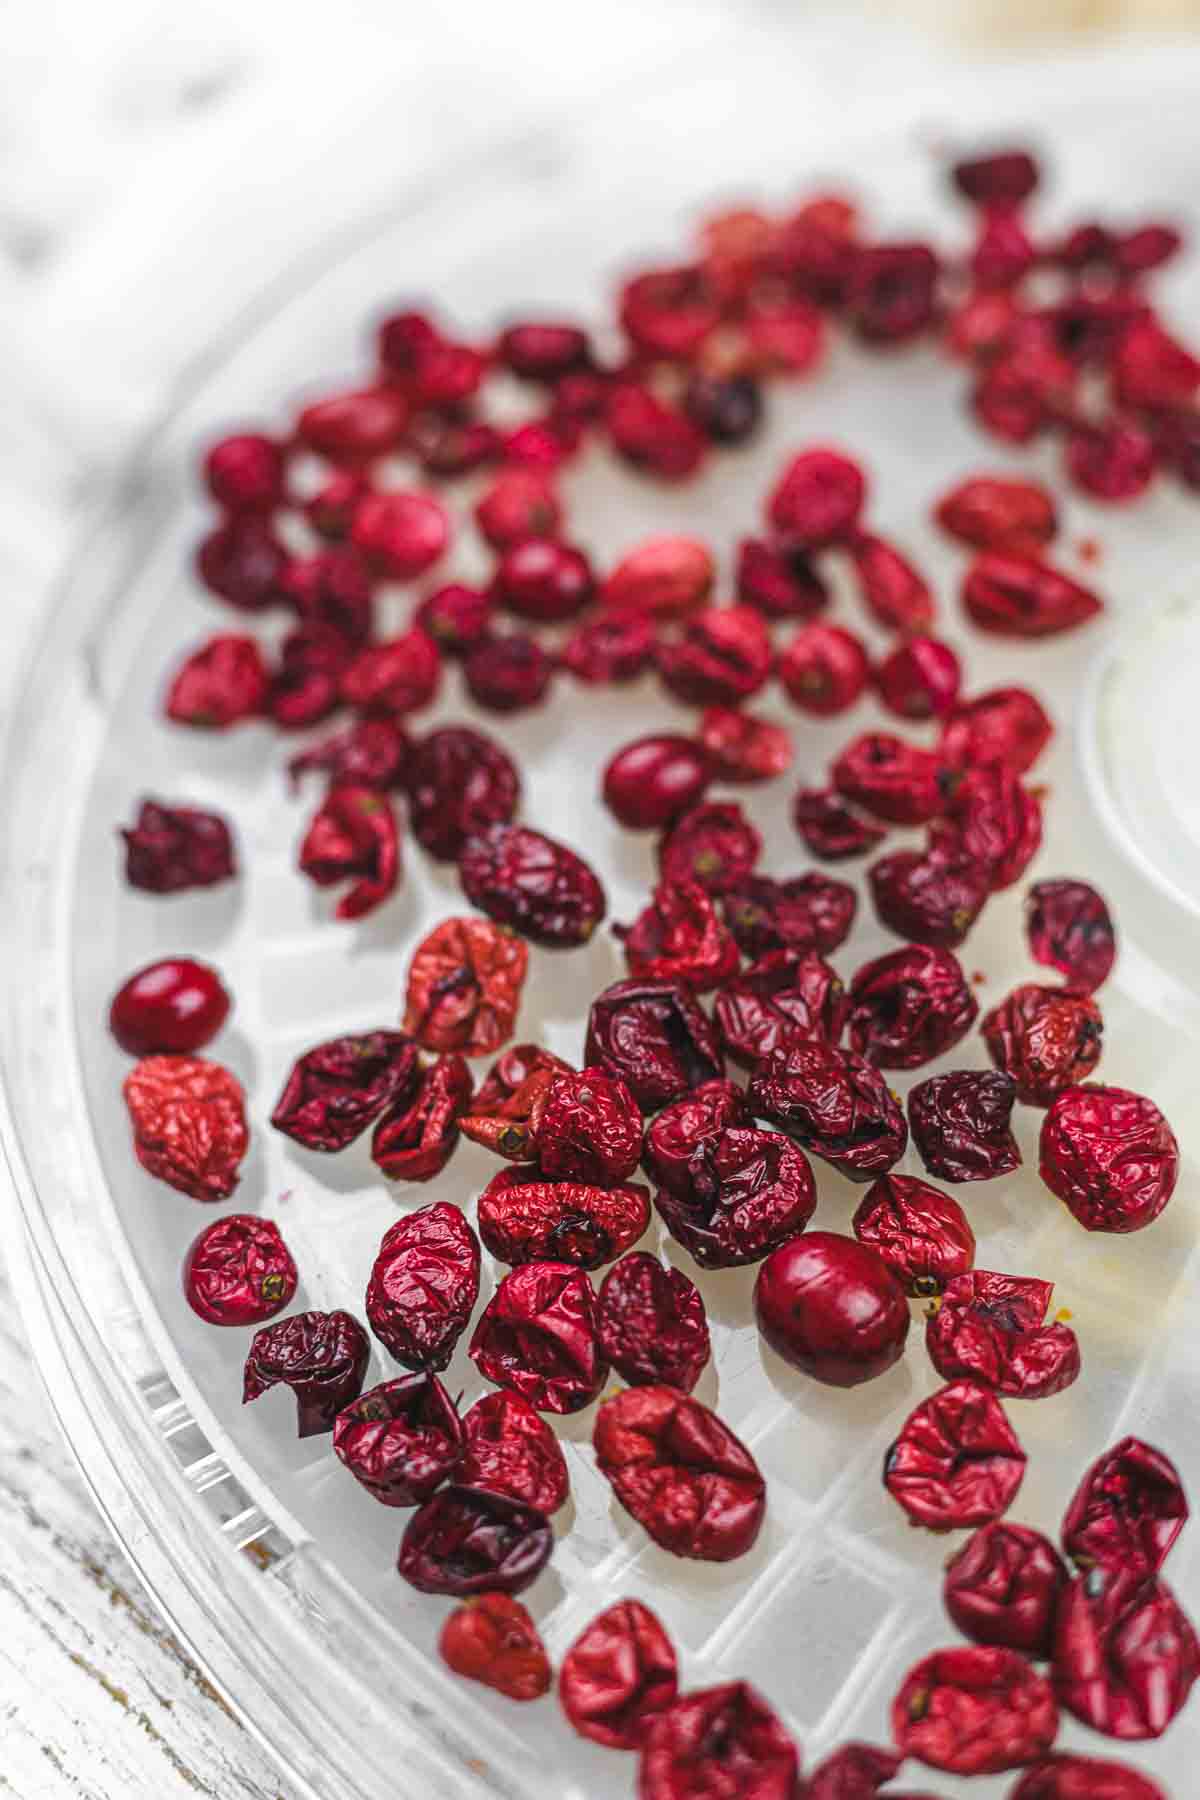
{"x": 273, "y": 1565}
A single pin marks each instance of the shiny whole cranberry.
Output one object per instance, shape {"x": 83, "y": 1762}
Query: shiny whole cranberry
{"x": 662, "y": 578}
{"x": 782, "y": 584}
{"x": 1110, "y": 1156}
{"x": 1008, "y": 726}
{"x": 722, "y": 656}
{"x": 831, "y": 1307}
{"x": 401, "y": 534}
{"x": 891, "y": 779}
{"x": 543, "y": 349}
{"x": 817, "y": 500}
{"x": 239, "y": 1271}
{"x": 932, "y": 897}
{"x": 400, "y": 1440}
{"x": 1003, "y": 1586}
{"x": 1045, "y": 1038}
{"x": 893, "y": 292}
{"x": 824, "y": 669}
{"x": 459, "y": 781}
{"x": 175, "y": 1006}
{"x": 520, "y": 503}
{"x": 961, "y": 1124}
{"x": 456, "y": 617}
{"x": 922, "y": 1235}
{"x": 656, "y": 1037}
{"x": 507, "y": 674}
{"x": 543, "y": 579}
{"x": 654, "y": 779}
{"x": 920, "y": 679}
{"x": 833, "y": 831}
{"x": 728, "y": 409}
{"x": 909, "y": 1006}
{"x": 243, "y": 563}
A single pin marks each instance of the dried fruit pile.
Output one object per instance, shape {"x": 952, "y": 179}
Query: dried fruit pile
{"x": 727, "y": 966}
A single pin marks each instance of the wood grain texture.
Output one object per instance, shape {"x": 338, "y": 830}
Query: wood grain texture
{"x": 97, "y": 1700}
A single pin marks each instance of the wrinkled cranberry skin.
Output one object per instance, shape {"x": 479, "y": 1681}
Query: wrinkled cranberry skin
{"x": 335, "y": 1090}
{"x": 239, "y": 1271}
{"x": 784, "y": 995}
{"x": 824, "y": 669}
{"x": 456, "y": 617}
{"x": 189, "y": 1123}
{"x": 1008, "y": 726}
{"x": 743, "y": 748}
{"x": 921, "y": 1234}
{"x": 975, "y": 1710}
{"x": 957, "y": 1461}
{"x": 372, "y": 753}
{"x": 990, "y": 512}
{"x": 896, "y": 594}
{"x": 656, "y": 438}
{"x": 537, "y": 1336}
{"x": 464, "y": 986}
{"x": 649, "y": 783}
{"x": 331, "y": 509}
{"x": 712, "y": 845}
{"x": 321, "y": 1356}
{"x": 960, "y": 1124}
{"x": 1127, "y": 1511}
{"x": 243, "y": 563}
{"x": 810, "y": 912}
{"x": 523, "y": 1219}
{"x": 1002, "y": 1588}
{"x": 830, "y": 829}
{"x": 679, "y": 937}
{"x": 175, "y": 1006}
{"x": 920, "y": 679}
{"x": 399, "y": 676}
{"x": 782, "y": 584}
{"x": 990, "y": 1328}
{"x": 353, "y": 836}
{"x": 508, "y": 674}
{"x": 833, "y": 1103}
{"x": 855, "y": 1772}
{"x": 1069, "y": 928}
{"x": 994, "y": 818}
{"x": 520, "y": 503}
{"x": 495, "y": 1642}
{"x": 171, "y": 848}
{"x": 1022, "y": 596}
{"x": 1125, "y": 1653}
{"x": 423, "y": 1286}
{"x": 908, "y": 1007}
{"x": 509, "y": 1449}
{"x": 505, "y": 1115}
{"x": 656, "y": 1037}
{"x": 467, "y": 1541}
{"x": 721, "y": 1741}
{"x": 543, "y": 580}
{"x": 532, "y": 884}
{"x": 416, "y": 1140}
{"x": 722, "y": 656}
{"x": 1152, "y": 371}
{"x": 831, "y": 1307}
{"x": 1045, "y": 1038}
{"x": 1110, "y": 1156}
{"x": 746, "y": 1191}
{"x": 893, "y": 292}
{"x": 662, "y": 578}
{"x": 590, "y": 1128}
{"x": 618, "y": 1675}
{"x": 679, "y": 1132}
{"x": 680, "y": 1472}
{"x": 651, "y": 1324}
{"x": 221, "y": 684}
{"x": 401, "y": 1440}
{"x": 892, "y": 780}
{"x": 932, "y": 897}
{"x": 615, "y": 647}
{"x": 817, "y": 500}
{"x": 1084, "y": 1778}
{"x": 459, "y": 781}
{"x": 1114, "y": 462}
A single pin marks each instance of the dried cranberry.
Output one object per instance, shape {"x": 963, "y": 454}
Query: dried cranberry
{"x": 810, "y": 912}
{"x": 656, "y": 1037}
{"x": 450, "y": 444}
{"x": 816, "y": 248}
{"x": 509, "y": 1450}
{"x": 335, "y": 1090}
{"x": 1084, "y": 1778}
{"x": 652, "y": 436}
{"x": 784, "y": 333}
{"x": 909, "y": 1006}
{"x": 354, "y": 427}
{"x": 520, "y": 503}
{"x": 401, "y": 534}
{"x": 817, "y": 500}
{"x": 506, "y": 1113}
{"x": 335, "y": 589}
{"x": 679, "y": 1132}
{"x": 614, "y": 647}
{"x": 1178, "y": 438}
{"x": 171, "y": 848}
{"x": 331, "y": 509}
{"x": 727, "y": 409}
{"x": 1068, "y": 927}
{"x": 239, "y": 1271}
{"x": 524, "y": 1219}
{"x": 543, "y": 349}
{"x": 221, "y": 684}
{"x": 353, "y": 837}
{"x": 1127, "y": 1511}
{"x": 662, "y": 578}
{"x": 177, "y": 1006}
{"x": 996, "y": 820}
{"x": 824, "y": 669}
{"x": 831, "y": 1307}
{"x": 1007, "y": 726}
{"x": 1113, "y": 462}
{"x": 189, "y": 1123}
{"x": 306, "y": 687}
{"x": 464, "y": 986}
{"x": 990, "y": 1328}
{"x": 243, "y": 563}
{"x": 507, "y": 674}
{"x": 957, "y": 1461}
{"x": 537, "y": 1336}
{"x": 399, "y": 676}
{"x": 896, "y": 594}
{"x": 831, "y": 829}
{"x": 785, "y": 994}
{"x": 981, "y": 325}
{"x": 834, "y": 1104}
{"x": 321, "y": 1356}
{"x": 783, "y": 584}
{"x": 734, "y": 245}
{"x": 401, "y": 1440}
{"x": 373, "y": 753}
{"x": 974, "y": 1711}
{"x": 992, "y": 512}
{"x": 1001, "y": 177}
{"x": 416, "y": 1140}
{"x": 245, "y": 472}
{"x": 456, "y": 617}
{"x": 1003, "y": 252}
{"x": 745, "y": 1191}
{"x": 711, "y": 846}
{"x": 494, "y": 1641}
{"x": 743, "y": 748}
{"x": 680, "y": 1472}
{"x": 654, "y": 779}
{"x": 467, "y": 1541}
{"x": 720, "y": 1740}
{"x": 1147, "y": 247}
{"x": 1110, "y": 1156}
{"x": 922, "y": 1234}
{"x": 1022, "y": 596}
{"x": 423, "y": 1285}
{"x": 459, "y": 781}
{"x": 669, "y": 312}
{"x": 960, "y": 1125}
{"x": 618, "y": 1675}
{"x": 1125, "y": 1653}
{"x": 532, "y": 884}
{"x": 1152, "y": 371}
{"x": 651, "y": 1324}
{"x": 679, "y": 937}
{"x": 723, "y": 656}
{"x": 893, "y": 292}
{"x": 590, "y": 1128}
{"x": 1002, "y": 1588}
{"x": 1024, "y": 388}
{"x": 920, "y": 679}
{"x": 892, "y": 779}
{"x": 855, "y": 1772}
{"x": 930, "y": 897}
{"x": 1045, "y": 1038}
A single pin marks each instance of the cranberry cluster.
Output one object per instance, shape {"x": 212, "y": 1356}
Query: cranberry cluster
{"x": 727, "y": 965}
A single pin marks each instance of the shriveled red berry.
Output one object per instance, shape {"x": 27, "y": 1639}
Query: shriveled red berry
{"x": 353, "y": 836}
{"x": 354, "y": 427}
{"x": 415, "y": 1141}
{"x": 423, "y": 1285}
{"x": 746, "y": 1191}
{"x": 1003, "y": 1586}
{"x": 1022, "y": 596}
{"x": 920, "y": 679}
{"x": 459, "y": 781}
{"x": 957, "y": 1461}
{"x": 505, "y": 1115}
{"x": 177, "y": 1006}
{"x": 833, "y": 1103}
{"x": 720, "y": 1741}
{"x": 1068, "y": 927}
{"x": 974, "y": 1711}
{"x": 245, "y": 472}
{"x": 909, "y": 1006}
{"x": 508, "y": 674}
{"x": 509, "y": 1449}
{"x": 824, "y": 669}
{"x": 244, "y": 563}
{"x": 785, "y": 994}
{"x": 1126, "y": 1655}
{"x": 220, "y": 684}
{"x": 520, "y": 503}
{"x": 993, "y": 817}
{"x": 817, "y": 500}
{"x": 991, "y": 1328}
{"x": 662, "y": 578}
{"x": 781, "y": 583}
{"x": 831, "y": 1307}
{"x": 401, "y": 1440}
{"x": 656, "y": 1037}
{"x": 652, "y": 1324}
{"x": 669, "y": 312}
{"x": 189, "y": 1123}
{"x": 831, "y": 829}
{"x": 891, "y": 779}
{"x": 331, "y": 509}
{"x": 930, "y": 897}
{"x": 543, "y": 349}
{"x": 1003, "y": 252}
{"x": 525, "y": 1219}
{"x": 892, "y": 589}
{"x": 239, "y": 1271}
{"x": 456, "y": 617}
{"x": 321, "y": 1356}
{"x": 494, "y": 1641}
{"x": 467, "y": 1541}
{"x": 532, "y": 884}
{"x": 589, "y": 1128}
{"x": 961, "y": 1124}
{"x": 853, "y": 1772}
{"x": 682, "y": 1128}
{"x": 680, "y": 937}
{"x": 371, "y": 753}
{"x": 537, "y": 1336}
{"x": 1114, "y": 462}
{"x": 654, "y": 437}
{"x": 1085, "y": 1778}
{"x": 1000, "y": 177}
{"x": 1151, "y": 370}
{"x": 613, "y": 647}
{"x": 722, "y": 656}
{"x": 171, "y": 848}
{"x": 1045, "y": 1038}
{"x": 922, "y": 1235}
{"x": 1008, "y": 726}
{"x": 810, "y": 912}
{"x": 1127, "y": 1512}
{"x": 464, "y": 986}
{"x": 398, "y": 676}
{"x": 1110, "y": 1156}
{"x": 893, "y": 292}
{"x": 742, "y": 747}
{"x": 995, "y": 512}
{"x": 654, "y": 779}
{"x": 727, "y": 408}
{"x": 618, "y": 1675}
